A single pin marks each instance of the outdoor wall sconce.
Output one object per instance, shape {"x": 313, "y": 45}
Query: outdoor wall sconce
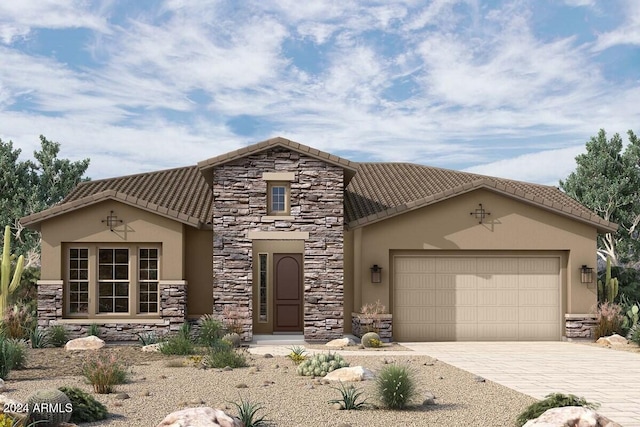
{"x": 586, "y": 274}
{"x": 376, "y": 274}
{"x": 112, "y": 220}
{"x": 480, "y": 213}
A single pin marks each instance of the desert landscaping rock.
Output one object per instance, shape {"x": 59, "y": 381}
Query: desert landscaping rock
{"x": 340, "y": 342}
{"x": 288, "y": 401}
{"x": 87, "y": 343}
{"x": 355, "y": 373}
{"x": 151, "y": 348}
{"x": 614, "y": 339}
{"x": 571, "y": 416}
{"x": 201, "y": 416}
{"x": 429, "y": 399}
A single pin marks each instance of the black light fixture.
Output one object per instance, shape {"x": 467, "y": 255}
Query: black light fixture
{"x": 586, "y": 274}
{"x": 112, "y": 220}
{"x": 376, "y": 274}
{"x": 480, "y": 213}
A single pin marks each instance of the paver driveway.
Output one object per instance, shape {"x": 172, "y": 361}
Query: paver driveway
{"x": 606, "y": 376}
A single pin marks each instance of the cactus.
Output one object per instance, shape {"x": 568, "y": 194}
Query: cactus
{"x": 608, "y": 290}
{"x": 7, "y": 287}
{"x": 368, "y": 337}
{"x": 49, "y": 407}
{"x": 321, "y": 364}
{"x": 233, "y": 339}
{"x": 86, "y": 408}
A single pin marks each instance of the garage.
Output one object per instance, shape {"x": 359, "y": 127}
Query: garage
{"x": 476, "y": 298}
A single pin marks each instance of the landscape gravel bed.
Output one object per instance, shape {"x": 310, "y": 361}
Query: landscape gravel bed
{"x": 161, "y": 384}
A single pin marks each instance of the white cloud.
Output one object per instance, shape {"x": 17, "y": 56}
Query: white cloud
{"x": 627, "y": 33}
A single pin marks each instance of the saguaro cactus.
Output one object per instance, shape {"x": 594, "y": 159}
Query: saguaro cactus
{"x": 608, "y": 290}
{"x": 7, "y": 287}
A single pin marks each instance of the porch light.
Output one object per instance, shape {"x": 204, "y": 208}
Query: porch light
{"x": 376, "y": 274}
{"x": 112, "y": 220}
{"x": 586, "y": 274}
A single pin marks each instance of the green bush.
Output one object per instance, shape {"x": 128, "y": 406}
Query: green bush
{"x": 103, "y": 372}
{"x": 297, "y": 354}
{"x": 93, "y": 330}
{"x": 221, "y": 355}
{"x": 634, "y": 334}
{"x": 321, "y": 364}
{"x": 553, "y": 400}
{"x": 349, "y": 397}
{"x": 57, "y": 336}
{"x": 147, "y": 338}
{"x": 210, "y": 331}
{"x": 18, "y": 320}
{"x": 395, "y": 386}
{"x": 177, "y": 345}
{"x": 248, "y": 413}
{"x": 86, "y": 408}
{"x": 12, "y": 355}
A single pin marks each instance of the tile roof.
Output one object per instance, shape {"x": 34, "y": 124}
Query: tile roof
{"x": 382, "y": 190}
{"x": 180, "y": 194}
{"x": 375, "y": 191}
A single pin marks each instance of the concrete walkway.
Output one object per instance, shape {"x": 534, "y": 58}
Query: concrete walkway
{"x": 605, "y": 376}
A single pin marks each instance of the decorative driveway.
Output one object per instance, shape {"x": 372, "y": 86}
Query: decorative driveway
{"x": 609, "y": 377}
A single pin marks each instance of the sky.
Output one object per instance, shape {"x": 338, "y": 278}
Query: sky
{"x": 509, "y": 88}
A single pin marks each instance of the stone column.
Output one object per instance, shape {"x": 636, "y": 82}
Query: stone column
{"x": 173, "y": 302}
{"x": 50, "y": 302}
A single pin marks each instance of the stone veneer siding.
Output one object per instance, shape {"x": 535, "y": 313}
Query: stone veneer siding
{"x": 173, "y": 311}
{"x": 580, "y": 326}
{"x": 382, "y": 325}
{"x": 316, "y": 205}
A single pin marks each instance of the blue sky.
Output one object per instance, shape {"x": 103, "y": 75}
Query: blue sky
{"x": 504, "y": 88}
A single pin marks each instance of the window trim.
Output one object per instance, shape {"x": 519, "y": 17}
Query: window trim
{"x": 93, "y": 304}
{"x": 287, "y": 198}
{"x": 113, "y": 281}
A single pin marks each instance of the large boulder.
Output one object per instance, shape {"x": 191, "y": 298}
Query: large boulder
{"x": 340, "y": 342}
{"x": 151, "y": 348}
{"x": 571, "y": 416}
{"x": 354, "y": 373}
{"x": 614, "y": 339}
{"x": 87, "y": 343}
{"x": 201, "y": 416}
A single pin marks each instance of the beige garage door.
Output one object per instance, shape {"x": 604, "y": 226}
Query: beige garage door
{"x": 476, "y": 298}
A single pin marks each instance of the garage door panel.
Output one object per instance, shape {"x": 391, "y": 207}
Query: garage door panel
{"x": 481, "y": 298}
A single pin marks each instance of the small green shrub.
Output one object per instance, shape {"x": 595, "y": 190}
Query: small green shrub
{"x": 93, "y": 330}
{"x": 233, "y": 339}
{"x": 297, "y": 354}
{"x": 57, "y": 335}
{"x": 211, "y": 329}
{"x": 321, "y": 364}
{"x": 86, "y": 408}
{"x": 38, "y": 338}
{"x": 248, "y": 413}
{"x": 609, "y": 318}
{"x": 553, "y": 400}
{"x": 221, "y": 355}
{"x": 177, "y": 345}
{"x": 147, "y": 338}
{"x": 12, "y": 355}
{"x": 349, "y": 397}
{"x": 395, "y": 386}
{"x": 367, "y": 339}
{"x": 634, "y": 334}
{"x": 103, "y": 372}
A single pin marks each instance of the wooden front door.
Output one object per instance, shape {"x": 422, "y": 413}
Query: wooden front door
{"x": 288, "y": 293}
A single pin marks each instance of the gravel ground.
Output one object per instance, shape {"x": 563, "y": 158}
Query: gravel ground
{"x": 158, "y": 388}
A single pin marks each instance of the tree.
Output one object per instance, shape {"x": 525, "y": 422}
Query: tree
{"x": 28, "y": 187}
{"x": 607, "y": 181}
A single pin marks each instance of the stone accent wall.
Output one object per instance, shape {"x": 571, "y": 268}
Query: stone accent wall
{"x": 383, "y": 323}
{"x": 173, "y": 311}
{"x": 240, "y": 206}
{"x": 580, "y": 326}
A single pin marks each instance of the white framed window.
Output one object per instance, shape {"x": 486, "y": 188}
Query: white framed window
{"x": 278, "y": 198}
{"x": 78, "y": 285}
{"x": 113, "y": 280}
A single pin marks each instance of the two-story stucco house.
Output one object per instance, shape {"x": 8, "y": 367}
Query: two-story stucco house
{"x": 295, "y": 240}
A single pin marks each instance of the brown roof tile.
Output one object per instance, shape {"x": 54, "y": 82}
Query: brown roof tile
{"x": 380, "y": 190}
{"x": 179, "y": 193}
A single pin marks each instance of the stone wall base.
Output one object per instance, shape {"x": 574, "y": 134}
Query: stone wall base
{"x": 580, "y": 326}
{"x": 382, "y": 325}
{"x": 116, "y": 331}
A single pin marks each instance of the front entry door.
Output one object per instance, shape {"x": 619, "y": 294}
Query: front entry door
{"x": 288, "y": 293}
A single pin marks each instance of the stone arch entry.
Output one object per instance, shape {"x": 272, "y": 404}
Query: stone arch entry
{"x": 287, "y": 293}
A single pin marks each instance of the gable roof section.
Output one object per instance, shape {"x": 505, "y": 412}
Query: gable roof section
{"x": 383, "y": 190}
{"x": 179, "y": 194}
{"x": 206, "y": 166}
